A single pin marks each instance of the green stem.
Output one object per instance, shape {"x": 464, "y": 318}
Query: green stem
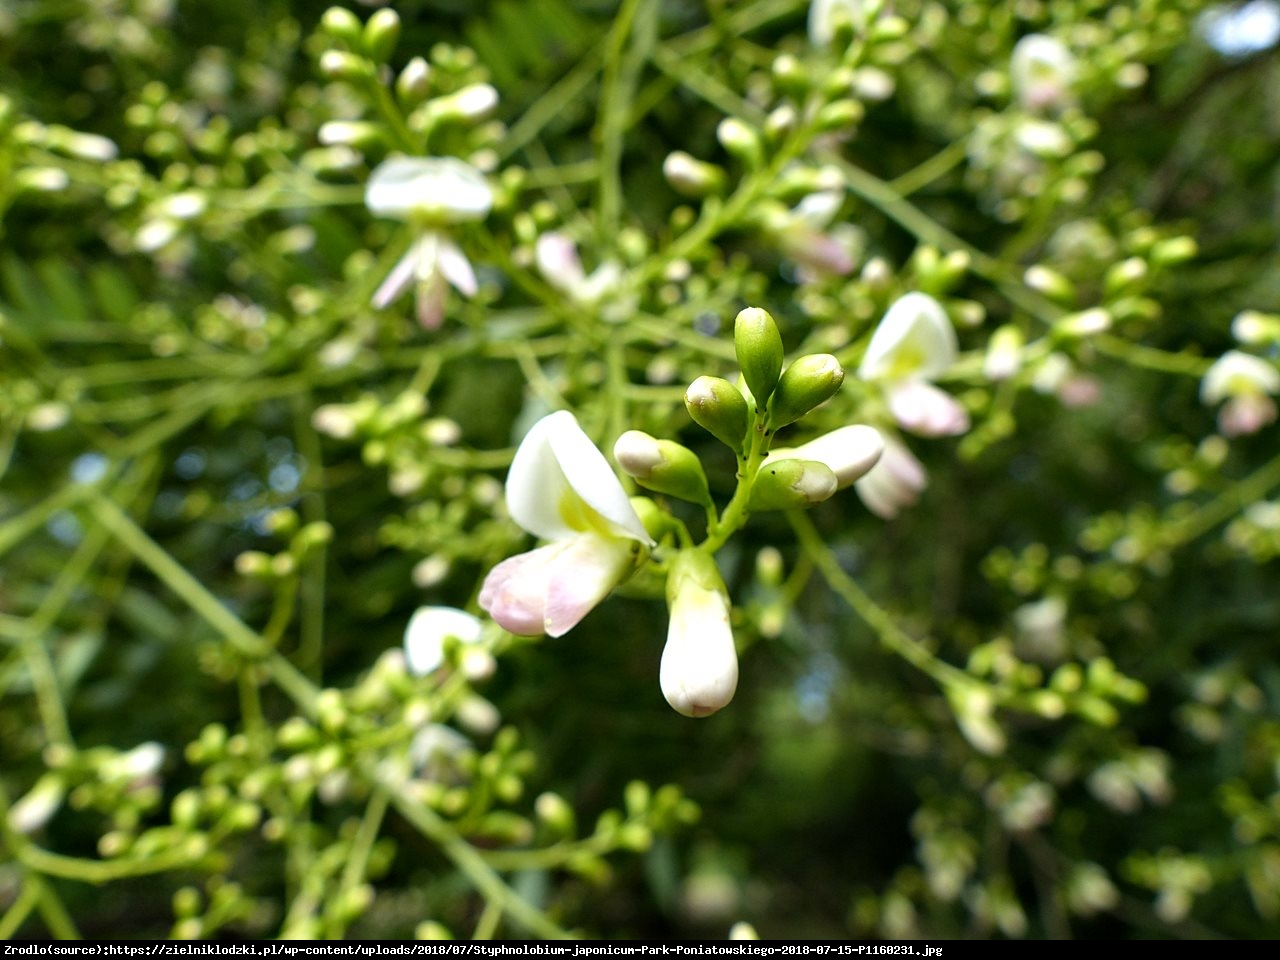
{"x": 28, "y": 899}
{"x": 738, "y": 509}
{"x": 878, "y": 619}
{"x": 204, "y": 603}
{"x": 636, "y": 20}
{"x": 467, "y": 859}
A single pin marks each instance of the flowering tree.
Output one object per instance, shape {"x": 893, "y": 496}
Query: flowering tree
{"x": 888, "y": 388}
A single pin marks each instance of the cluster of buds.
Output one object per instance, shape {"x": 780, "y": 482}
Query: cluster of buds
{"x": 561, "y": 489}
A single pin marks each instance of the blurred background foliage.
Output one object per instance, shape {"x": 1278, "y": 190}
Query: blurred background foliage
{"x": 180, "y": 300}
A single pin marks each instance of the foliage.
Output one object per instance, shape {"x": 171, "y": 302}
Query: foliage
{"x": 1031, "y": 692}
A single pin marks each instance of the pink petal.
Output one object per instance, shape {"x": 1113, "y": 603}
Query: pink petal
{"x": 927, "y": 411}
{"x": 515, "y": 591}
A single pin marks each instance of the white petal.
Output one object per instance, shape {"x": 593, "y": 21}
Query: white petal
{"x": 849, "y": 451}
{"x": 425, "y": 635}
{"x": 398, "y": 280}
{"x": 893, "y": 483}
{"x": 455, "y": 266}
{"x": 1237, "y": 373}
{"x": 927, "y": 411}
{"x": 443, "y": 188}
{"x": 915, "y": 338}
{"x": 560, "y": 485}
{"x": 699, "y": 670}
{"x": 558, "y": 262}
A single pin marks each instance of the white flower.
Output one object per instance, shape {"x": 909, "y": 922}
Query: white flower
{"x": 894, "y": 482}
{"x": 823, "y": 15}
{"x": 38, "y": 805}
{"x": 559, "y": 264}
{"x": 561, "y": 488}
{"x": 699, "y": 670}
{"x": 913, "y": 344}
{"x": 431, "y": 193}
{"x": 438, "y": 190}
{"x": 425, "y": 635}
{"x": 1244, "y": 382}
{"x": 1042, "y": 70}
{"x": 430, "y": 262}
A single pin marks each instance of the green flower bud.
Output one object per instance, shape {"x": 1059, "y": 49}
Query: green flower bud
{"x": 809, "y": 381}
{"x": 1050, "y": 282}
{"x": 662, "y": 465}
{"x": 340, "y": 65}
{"x": 414, "y": 82}
{"x": 341, "y": 23}
{"x": 553, "y": 810}
{"x": 840, "y": 115}
{"x": 785, "y": 484}
{"x": 1124, "y": 276}
{"x": 381, "y": 34}
{"x": 759, "y": 347}
{"x": 741, "y": 141}
{"x": 1173, "y": 250}
{"x": 718, "y": 407}
{"x": 692, "y": 177}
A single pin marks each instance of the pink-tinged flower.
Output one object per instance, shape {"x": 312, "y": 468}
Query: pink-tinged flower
{"x": 557, "y": 258}
{"x": 561, "y": 488}
{"x": 432, "y": 194}
{"x": 913, "y": 344}
{"x": 699, "y": 670}
{"x": 805, "y": 235}
{"x": 894, "y": 483}
{"x": 1245, "y": 383}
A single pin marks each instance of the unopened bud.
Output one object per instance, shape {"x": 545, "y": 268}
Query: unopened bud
{"x": 381, "y": 34}
{"x": 349, "y": 133}
{"x": 1125, "y": 275}
{"x": 341, "y": 65}
{"x": 1050, "y": 282}
{"x": 341, "y": 23}
{"x": 718, "y": 407}
{"x": 662, "y": 465}
{"x": 692, "y": 177}
{"x": 414, "y": 82}
{"x": 1086, "y": 323}
{"x": 1004, "y": 353}
{"x": 1173, "y": 250}
{"x": 809, "y": 381}
{"x": 840, "y": 115}
{"x": 758, "y": 345}
{"x": 850, "y": 452}
{"x": 786, "y": 484}
{"x": 741, "y": 141}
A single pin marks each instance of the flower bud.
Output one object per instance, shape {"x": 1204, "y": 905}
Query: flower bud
{"x": 786, "y": 483}
{"x": 741, "y": 141}
{"x": 699, "y": 670}
{"x": 414, "y": 82}
{"x": 692, "y": 177}
{"x": 718, "y": 407}
{"x": 850, "y": 452}
{"x": 1004, "y": 353}
{"x": 349, "y": 133}
{"x": 662, "y": 465}
{"x": 809, "y": 381}
{"x": 1125, "y": 276}
{"x": 759, "y": 347}
{"x": 381, "y": 34}
{"x": 1050, "y": 282}
{"x": 471, "y": 104}
{"x": 340, "y": 65}
{"x": 1173, "y": 250}
{"x": 341, "y": 23}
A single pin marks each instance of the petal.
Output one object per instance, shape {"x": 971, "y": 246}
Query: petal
{"x": 456, "y": 268}
{"x": 432, "y": 294}
{"x": 515, "y": 591}
{"x": 550, "y": 589}
{"x": 915, "y": 338}
{"x": 1237, "y": 373}
{"x": 398, "y": 280}
{"x": 893, "y": 483}
{"x": 849, "y": 451}
{"x": 442, "y": 188}
{"x": 560, "y": 485}
{"x": 425, "y": 635}
{"x": 558, "y": 262}
{"x": 699, "y": 669}
{"x": 927, "y": 411}
{"x": 584, "y": 572}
